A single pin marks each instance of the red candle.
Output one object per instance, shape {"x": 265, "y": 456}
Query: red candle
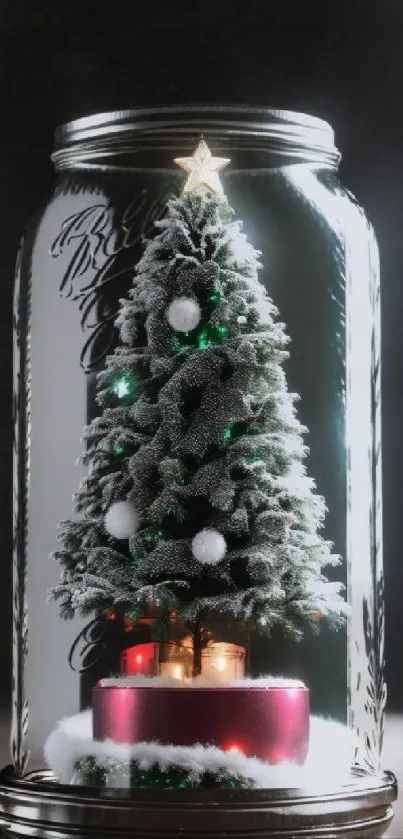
{"x": 140, "y": 660}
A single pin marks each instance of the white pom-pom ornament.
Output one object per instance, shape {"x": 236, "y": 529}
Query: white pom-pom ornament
{"x": 121, "y": 520}
{"x": 209, "y": 547}
{"x": 184, "y": 314}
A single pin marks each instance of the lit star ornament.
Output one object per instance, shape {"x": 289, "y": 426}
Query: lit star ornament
{"x": 203, "y": 170}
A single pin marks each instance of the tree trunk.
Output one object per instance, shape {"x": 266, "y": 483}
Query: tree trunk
{"x": 197, "y": 637}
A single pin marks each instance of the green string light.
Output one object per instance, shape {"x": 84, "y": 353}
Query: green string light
{"x": 119, "y": 449}
{"x": 253, "y": 458}
{"x": 122, "y": 449}
{"x": 211, "y": 335}
{"x": 214, "y": 298}
{"x": 204, "y": 341}
{"x": 112, "y": 771}
{"x": 152, "y": 537}
{"x": 222, "y": 332}
{"x": 203, "y": 338}
{"x": 233, "y": 432}
{"x": 184, "y": 340}
{"x": 125, "y": 386}
{"x": 149, "y": 539}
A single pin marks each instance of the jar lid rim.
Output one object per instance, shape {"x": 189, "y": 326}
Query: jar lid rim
{"x": 130, "y": 118}
{"x": 111, "y": 131}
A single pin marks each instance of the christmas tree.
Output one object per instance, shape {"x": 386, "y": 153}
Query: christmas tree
{"x": 196, "y": 497}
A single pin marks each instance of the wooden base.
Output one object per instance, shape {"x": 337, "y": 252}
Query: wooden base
{"x": 38, "y": 806}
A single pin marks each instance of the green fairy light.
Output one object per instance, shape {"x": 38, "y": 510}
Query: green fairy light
{"x": 121, "y": 388}
{"x": 125, "y": 385}
{"x": 123, "y": 449}
{"x": 211, "y": 335}
{"x": 214, "y": 298}
{"x": 205, "y": 338}
{"x": 204, "y": 341}
{"x": 153, "y": 536}
{"x": 183, "y": 340}
{"x": 231, "y": 783}
{"x": 120, "y": 449}
{"x": 233, "y": 432}
{"x": 253, "y": 458}
{"x": 112, "y": 771}
{"x": 222, "y": 332}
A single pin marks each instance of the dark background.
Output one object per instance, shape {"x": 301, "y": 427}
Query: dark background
{"x": 343, "y": 62}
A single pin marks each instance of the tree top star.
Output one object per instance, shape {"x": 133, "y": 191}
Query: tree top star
{"x": 203, "y": 170}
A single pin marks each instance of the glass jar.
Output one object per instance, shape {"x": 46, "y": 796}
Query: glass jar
{"x": 114, "y": 174}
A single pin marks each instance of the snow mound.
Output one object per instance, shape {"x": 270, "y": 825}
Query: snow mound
{"x": 328, "y": 762}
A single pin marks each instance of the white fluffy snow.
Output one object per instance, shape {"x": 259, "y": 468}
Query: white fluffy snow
{"x": 328, "y": 762}
{"x": 198, "y": 682}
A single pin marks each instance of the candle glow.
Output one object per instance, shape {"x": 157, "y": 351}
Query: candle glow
{"x": 223, "y": 662}
{"x": 173, "y": 670}
{"x": 140, "y": 660}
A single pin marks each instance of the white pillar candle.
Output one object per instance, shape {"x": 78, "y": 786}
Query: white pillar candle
{"x": 223, "y": 662}
{"x": 173, "y": 670}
